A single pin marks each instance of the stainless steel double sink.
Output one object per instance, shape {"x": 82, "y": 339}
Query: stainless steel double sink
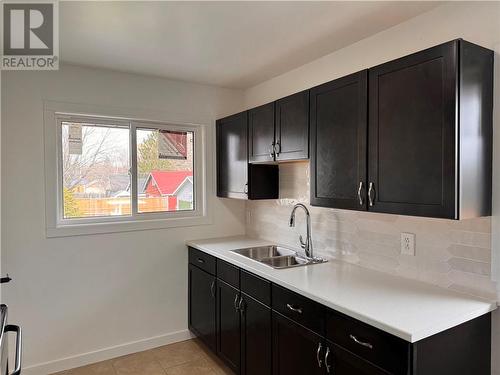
{"x": 277, "y": 256}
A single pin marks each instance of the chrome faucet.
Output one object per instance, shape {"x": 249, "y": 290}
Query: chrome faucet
{"x": 307, "y": 244}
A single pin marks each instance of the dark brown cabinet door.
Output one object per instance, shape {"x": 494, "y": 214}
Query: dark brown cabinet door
{"x": 412, "y": 130}
{"x": 338, "y": 111}
{"x": 341, "y": 362}
{"x": 202, "y": 305}
{"x": 232, "y": 156}
{"x": 261, "y": 133}
{"x": 296, "y": 350}
{"x": 292, "y": 127}
{"x": 228, "y": 325}
{"x": 256, "y": 337}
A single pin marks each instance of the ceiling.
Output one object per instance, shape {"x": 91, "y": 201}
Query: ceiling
{"x": 229, "y": 44}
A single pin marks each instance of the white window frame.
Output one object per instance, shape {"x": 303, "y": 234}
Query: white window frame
{"x": 58, "y": 226}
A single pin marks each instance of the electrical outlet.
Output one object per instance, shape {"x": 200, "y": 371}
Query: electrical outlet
{"x": 408, "y": 244}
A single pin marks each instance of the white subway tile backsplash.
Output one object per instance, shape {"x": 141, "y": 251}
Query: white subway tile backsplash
{"x": 451, "y": 254}
{"x": 467, "y": 265}
{"x": 471, "y": 238}
{"x": 379, "y": 262}
{"x": 480, "y": 254}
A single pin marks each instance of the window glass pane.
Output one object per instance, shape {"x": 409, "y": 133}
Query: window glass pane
{"x": 165, "y": 177}
{"x": 95, "y": 166}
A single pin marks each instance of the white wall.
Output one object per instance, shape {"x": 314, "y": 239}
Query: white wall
{"x": 477, "y": 22}
{"x": 76, "y": 295}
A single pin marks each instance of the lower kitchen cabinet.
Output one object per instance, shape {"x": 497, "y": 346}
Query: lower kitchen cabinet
{"x": 341, "y": 362}
{"x": 374, "y": 345}
{"x": 228, "y": 325}
{"x": 259, "y": 328}
{"x": 256, "y": 337}
{"x": 296, "y": 349}
{"x": 202, "y": 305}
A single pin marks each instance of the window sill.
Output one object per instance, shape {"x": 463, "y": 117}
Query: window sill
{"x": 66, "y": 230}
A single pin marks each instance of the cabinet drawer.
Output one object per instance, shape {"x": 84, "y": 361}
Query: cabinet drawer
{"x": 298, "y": 308}
{"x": 344, "y": 362}
{"x": 256, "y": 287}
{"x": 381, "y": 348}
{"x": 228, "y": 273}
{"x": 202, "y": 260}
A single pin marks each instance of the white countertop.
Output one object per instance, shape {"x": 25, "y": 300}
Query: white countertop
{"x": 409, "y": 309}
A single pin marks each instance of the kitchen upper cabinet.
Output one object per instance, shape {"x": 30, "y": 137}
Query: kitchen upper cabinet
{"x": 202, "y": 306}
{"x": 228, "y": 325}
{"x": 338, "y": 143}
{"x": 292, "y": 127}
{"x": 261, "y": 133}
{"x": 256, "y": 337}
{"x": 279, "y": 131}
{"x": 232, "y": 156}
{"x": 423, "y": 148}
{"x": 430, "y": 133}
{"x": 235, "y": 177}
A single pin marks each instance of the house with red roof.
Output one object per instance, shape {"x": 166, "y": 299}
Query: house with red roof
{"x": 176, "y": 186}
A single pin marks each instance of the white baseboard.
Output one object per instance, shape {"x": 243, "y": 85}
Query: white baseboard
{"x": 106, "y": 353}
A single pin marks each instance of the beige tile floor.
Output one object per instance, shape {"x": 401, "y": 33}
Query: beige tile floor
{"x": 183, "y": 358}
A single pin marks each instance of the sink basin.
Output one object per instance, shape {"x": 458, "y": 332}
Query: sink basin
{"x": 263, "y": 252}
{"x": 276, "y": 256}
{"x": 286, "y": 261}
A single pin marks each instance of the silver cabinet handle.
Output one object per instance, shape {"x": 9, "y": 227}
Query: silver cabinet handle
{"x": 235, "y": 303}
{"x": 327, "y": 356}
{"x": 212, "y": 289}
{"x": 19, "y": 347}
{"x": 200, "y": 260}
{"x": 370, "y": 190}
{"x": 298, "y": 310}
{"x": 318, "y": 355}
{"x": 365, "y": 344}
{"x": 241, "y": 305}
{"x": 277, "y": 148}
{"x": 245, "y": 188}
{"x": 360, "y": 198}
{"x": 272, "y": 150}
